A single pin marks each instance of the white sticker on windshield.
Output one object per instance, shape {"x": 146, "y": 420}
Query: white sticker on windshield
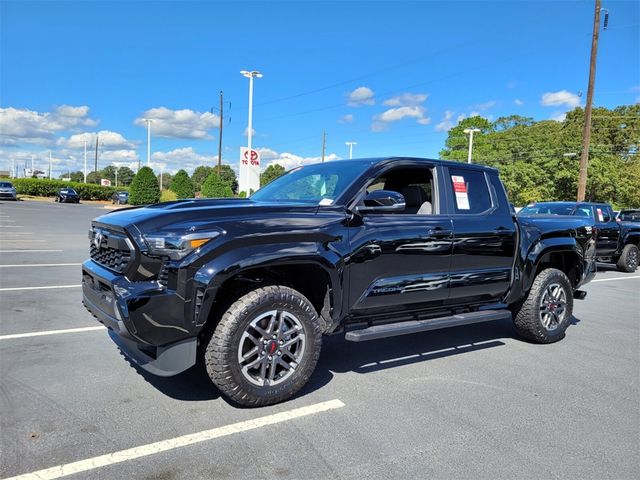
{"x": 326, "y": 201}
{"x": 600, "y": 215}
{"x": 460, "y": 190}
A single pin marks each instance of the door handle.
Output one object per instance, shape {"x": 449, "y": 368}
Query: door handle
{"x": 439, "y": 232}
{"x": 502, "y": 232}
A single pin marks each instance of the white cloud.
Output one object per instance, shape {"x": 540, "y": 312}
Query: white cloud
{"x": 446, "y": 124}
{"x": 562, "y": 97}
{"x": 518, "y": 102}
{"x": 29, "y": 126}
{"x": 348, "y": 118}
{"x": 290, "y": 160}
{"x": 558, "y": 116}
{"x": 406, "y": 99}
{"x": 186, "y": 158}
{"x": 361, "y": 96}
{"x": 396, "y": 114}
{"x": 406, "y": 105}
{"x": 107, "y": 140}
{"x": 183, "y": 123}
{"x": 484, "y": 106}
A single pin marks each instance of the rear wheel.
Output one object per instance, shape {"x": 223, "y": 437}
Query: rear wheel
{"x": 629, "y": 259}
{"x": 265, "y": 347}
{"x": 546, "y": 313}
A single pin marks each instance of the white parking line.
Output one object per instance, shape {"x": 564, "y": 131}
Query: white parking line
{"x": 13, "y": 289}
{"x": 27, "y": 251}
{"x": 42, "y": 265}
{"x": 13, "y": 336}
{"x": 178, "y": 442}
{"x": 2, "y": 239}
{"x": 11, "y": 226}
{"x": 612, "y": 279}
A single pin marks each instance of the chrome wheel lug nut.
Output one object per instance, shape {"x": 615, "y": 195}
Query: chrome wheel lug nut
{"x": 270, "y": 357}
{"x": 279, "y": 352}
{"x": 281, "y": 342}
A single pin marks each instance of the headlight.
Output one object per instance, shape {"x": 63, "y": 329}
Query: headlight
{"x": 178, "y": 246}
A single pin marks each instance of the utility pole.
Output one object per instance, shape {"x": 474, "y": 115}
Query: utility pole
{"x": 220, "y": 138}
{"x": 324, "y": 143}
{"x": 95, "y": 166}
{"x": 32, "y": 168}
{"x": 85, "y": 161}
{"x": 13, "y": 167}
{"x": 586, "y": 131}
{"x": 50, "y": 177}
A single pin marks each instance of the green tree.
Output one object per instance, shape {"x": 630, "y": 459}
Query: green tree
{"x": 229, "y": 176}
{"x": 144, "y": 188}
{"x": 200, "y": 174}
{"x": 181, "y": 185}
{"x": 166, "y": 180}
{"x": 272, "y": 172}
{"x": 539, "y": 160}
{"x": 215, "y": 187}
{"x": 75, "y": 176}
{"x": 94, "y": 177}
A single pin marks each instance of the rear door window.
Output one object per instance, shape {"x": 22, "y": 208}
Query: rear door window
{"x": 470, "y": 191}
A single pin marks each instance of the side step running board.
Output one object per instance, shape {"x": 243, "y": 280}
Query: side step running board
{"x": 415, "y": 326}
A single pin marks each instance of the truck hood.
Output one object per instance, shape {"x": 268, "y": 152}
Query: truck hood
{"x": 196, "y": 215}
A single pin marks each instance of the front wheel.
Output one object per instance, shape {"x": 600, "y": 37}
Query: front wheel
{"x": 546, "y": 313}
{"x": 265, "y": 347}
{"x": 629, "y": 259}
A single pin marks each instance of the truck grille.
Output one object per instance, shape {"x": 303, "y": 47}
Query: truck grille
{"x": 110, "y": 249}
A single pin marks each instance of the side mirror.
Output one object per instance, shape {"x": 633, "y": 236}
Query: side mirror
{"x": 382, "y": 201}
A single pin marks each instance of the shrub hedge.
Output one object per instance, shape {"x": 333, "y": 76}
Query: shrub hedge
{"x": 144, "y": 189}
{"x": 40, "y": 187}
{"x": 215, "y": 187}
{"x": 182, "y": 185}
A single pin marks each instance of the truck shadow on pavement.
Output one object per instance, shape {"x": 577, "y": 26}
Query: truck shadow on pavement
{"x": 339, "y": 356}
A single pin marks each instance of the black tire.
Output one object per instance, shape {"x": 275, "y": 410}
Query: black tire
{"x": 227, "y": 340}
{"x": 529, "y": 318}
{"x": 628, "y": 261}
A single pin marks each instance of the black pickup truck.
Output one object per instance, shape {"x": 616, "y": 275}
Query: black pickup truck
{"x": 617, "y": 241}
{"x": 369, "y": 248}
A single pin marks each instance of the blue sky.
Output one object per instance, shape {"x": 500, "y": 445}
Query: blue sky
{"x": 391, "y": 76}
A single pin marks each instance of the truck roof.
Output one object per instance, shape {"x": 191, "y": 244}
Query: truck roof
{"x": 376, "y": 161}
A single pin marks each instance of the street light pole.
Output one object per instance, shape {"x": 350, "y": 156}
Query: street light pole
{"x": 50, "y": 165}
{"x": 350, "y": 144}
{"x": 148, "y": 120}
{"x": 470, "y": 132}
{"x": 85, "y": 161}
{"x": 250, "y": 75}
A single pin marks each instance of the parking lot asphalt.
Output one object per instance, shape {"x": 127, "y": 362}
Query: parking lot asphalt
{"x": 467, "y": 402}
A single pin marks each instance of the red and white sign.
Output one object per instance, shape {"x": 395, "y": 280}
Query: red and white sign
{"x": 249, "y": 180}
{"x": 600, "y": 215}
{"x": 105, "y": 182}
{"x": 460, "y": 190}
{"x": 244, "y": 157}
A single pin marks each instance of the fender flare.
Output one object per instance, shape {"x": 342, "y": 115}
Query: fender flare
{"x": 213, "y": 274}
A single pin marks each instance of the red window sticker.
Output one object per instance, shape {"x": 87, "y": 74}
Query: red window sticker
{"x": 460, "y": 191}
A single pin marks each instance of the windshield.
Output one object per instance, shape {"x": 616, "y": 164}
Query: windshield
{"x": 548, "y": 210}
{"x": 5, "y": 185}
{"x": 321, "y": 183}
{"x": 633, "y": 216}
{"x": 70, "y": 191}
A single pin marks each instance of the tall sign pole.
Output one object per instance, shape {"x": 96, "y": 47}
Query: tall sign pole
{"x": 220, "y": 138}
{"x": 586, "y": 131}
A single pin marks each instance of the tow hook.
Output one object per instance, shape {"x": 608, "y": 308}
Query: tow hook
{"x": 579, "y": 294}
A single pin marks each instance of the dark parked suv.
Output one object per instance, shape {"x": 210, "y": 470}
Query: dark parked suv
{"x": 368, "y": 248}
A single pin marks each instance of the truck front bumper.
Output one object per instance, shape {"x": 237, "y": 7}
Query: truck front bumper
{"x": 161, "y": 345}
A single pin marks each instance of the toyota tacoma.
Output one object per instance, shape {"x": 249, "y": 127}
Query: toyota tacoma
{"x": 369, "y": 248}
